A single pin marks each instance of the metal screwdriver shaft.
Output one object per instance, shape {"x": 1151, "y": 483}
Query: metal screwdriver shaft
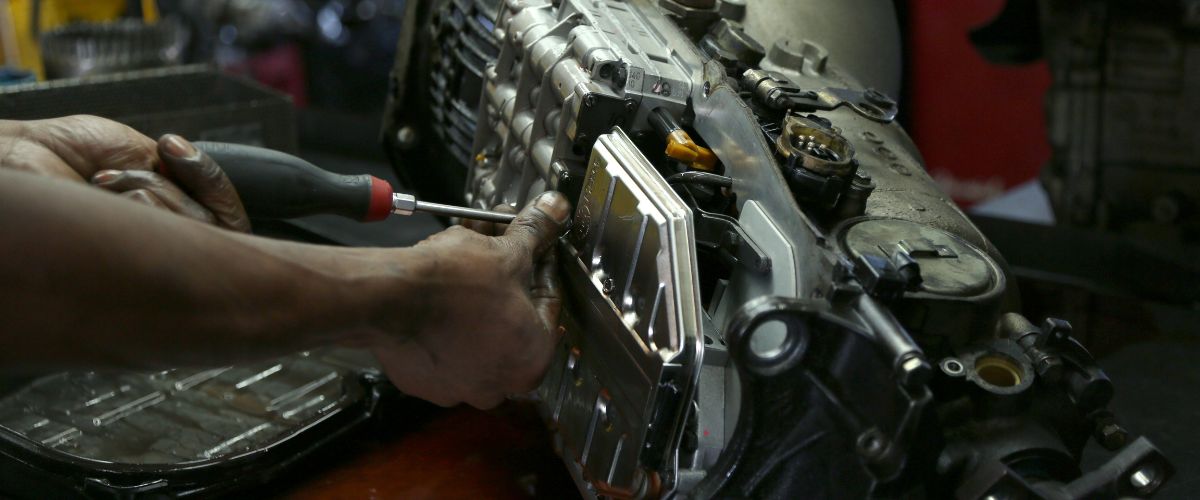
{"x": 406, "y": 204}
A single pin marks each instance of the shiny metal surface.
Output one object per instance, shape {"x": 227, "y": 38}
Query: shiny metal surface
{"x": 403, "y": 204}
{"x": 621, "y": 383}
{"x": 564, "y": 76}
{"x": 464, "y": 212}
{"x": 407, "y": 204}
{"x": 181, "y": 416}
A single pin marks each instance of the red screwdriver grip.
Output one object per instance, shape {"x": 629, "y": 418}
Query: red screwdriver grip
{"x": 381, "y": 200}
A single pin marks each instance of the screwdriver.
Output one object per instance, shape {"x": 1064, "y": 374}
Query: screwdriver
{"x": 276, "y": 185}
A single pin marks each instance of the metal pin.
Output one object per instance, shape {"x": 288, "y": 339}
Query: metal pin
{"x": 406, "y": 204}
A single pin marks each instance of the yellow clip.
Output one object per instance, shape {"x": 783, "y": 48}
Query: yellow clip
{"x": 681, "y": 147}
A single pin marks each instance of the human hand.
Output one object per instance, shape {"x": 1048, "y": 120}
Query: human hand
{"x": 486, "y": 311}
{"x": 119, "y": 159}
{"x": 210, "y": 195}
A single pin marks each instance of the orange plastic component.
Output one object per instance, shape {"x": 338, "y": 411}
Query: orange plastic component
{"x": 681, "y": 147}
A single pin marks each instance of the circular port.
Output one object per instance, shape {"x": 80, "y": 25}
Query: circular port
{"x": 815, "y": 147}
{"x": 998, "y": 370}
{"x": 952, "y": 367}
{"x": 1146, "y": 479}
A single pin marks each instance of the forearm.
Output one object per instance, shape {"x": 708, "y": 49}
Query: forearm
{"x": 88, "y": 278}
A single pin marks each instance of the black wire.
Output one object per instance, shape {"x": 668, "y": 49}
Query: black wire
{"x": 701, "y": 178}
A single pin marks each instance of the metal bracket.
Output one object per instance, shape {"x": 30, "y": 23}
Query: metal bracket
{"x": 723, "y": 234}
{"x": 870, "y": 103}
{"x": 777, "y": 92}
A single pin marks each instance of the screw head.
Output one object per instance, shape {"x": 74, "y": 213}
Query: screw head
{"x": 872, "y": 444}
{"x": 406, "y": 137}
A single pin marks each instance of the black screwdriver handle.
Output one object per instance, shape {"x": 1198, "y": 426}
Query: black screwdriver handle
{"x": 277, "y": 185}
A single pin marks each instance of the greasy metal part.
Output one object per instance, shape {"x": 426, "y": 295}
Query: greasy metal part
{"x": 780, "y": 93}
{"x": 563, "y": 77}
{"x": 798, "y": 433}
{"x": 727, "y": 42}
{"x": 911, "y": 368}
{"x": 619, "y": 391}
{"x": 568, "y": 71}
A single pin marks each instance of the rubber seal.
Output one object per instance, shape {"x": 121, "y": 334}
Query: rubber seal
{"x": 381, "y": 200}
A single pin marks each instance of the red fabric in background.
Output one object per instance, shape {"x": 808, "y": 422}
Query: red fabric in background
{"x": 980, "y": 127}
{"x": 280, "y": 67}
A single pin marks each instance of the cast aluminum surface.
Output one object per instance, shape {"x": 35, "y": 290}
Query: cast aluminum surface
{"x": 632, "y": 259}
{"x": 565, "y": 75}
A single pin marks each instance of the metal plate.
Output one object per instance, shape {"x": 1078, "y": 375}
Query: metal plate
{"x": 619, "y": 390}
{"x": 177, "y": 417}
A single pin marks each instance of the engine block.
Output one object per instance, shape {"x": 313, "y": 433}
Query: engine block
{"x": 767, "y": 296}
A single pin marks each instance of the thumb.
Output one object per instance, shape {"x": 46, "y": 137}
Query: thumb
{"x": 539, "y": 223}
{"x": 200, "y": 176}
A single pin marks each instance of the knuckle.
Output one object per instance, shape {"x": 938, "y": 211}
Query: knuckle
{"x": 141, "y": 195}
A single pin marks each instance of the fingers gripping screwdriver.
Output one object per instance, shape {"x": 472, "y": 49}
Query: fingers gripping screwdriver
{"x": 276, "y": 185}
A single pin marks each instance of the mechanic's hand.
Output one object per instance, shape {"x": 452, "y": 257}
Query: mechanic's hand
{"x": 118, "y": 158}
{"x": 210, "y": 196}
{"x": 489, "y": 318}
{"x": 74, "y": 147}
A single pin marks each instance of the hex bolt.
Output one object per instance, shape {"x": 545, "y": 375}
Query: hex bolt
{"x": 589, "y": 100}
{"x": 1112, "y": 437}
{"x": 1108, "y": 432}
{"x": 914, "y": 371}
{"x": 872, "y": 444}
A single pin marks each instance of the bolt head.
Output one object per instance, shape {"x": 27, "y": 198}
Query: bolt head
{"x": 1049, "y": 367}
{"x": 406, "y": 137}
{"x": 1113, "y": 436}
